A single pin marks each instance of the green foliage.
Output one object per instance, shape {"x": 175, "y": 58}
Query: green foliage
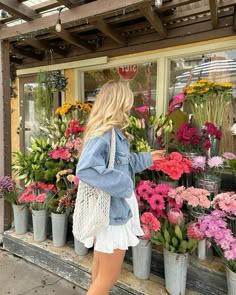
{"x": 173, "y": 238}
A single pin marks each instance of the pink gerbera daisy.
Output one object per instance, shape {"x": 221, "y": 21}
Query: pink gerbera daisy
{"x": 157, "y": 202}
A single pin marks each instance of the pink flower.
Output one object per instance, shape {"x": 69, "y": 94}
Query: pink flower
{"x": 227, "y": 155}
{"x": 193, "y": 231}
{"x": 157, "y": 202}
{"x": 142, "y": 109}
{"x": 60, "y": 153}
{"x": 41, "y": 197}
{"x": 147, "y": 232}
{"x": 199, "y": 162}
{"x": 174, "y": 215}
{"x": 215, "y": 162}
{"x": 176, "y": 100}
{"x": 149, "y": 219}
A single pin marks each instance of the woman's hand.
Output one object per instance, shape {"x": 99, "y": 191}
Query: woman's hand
{"x": 158, "y": 154}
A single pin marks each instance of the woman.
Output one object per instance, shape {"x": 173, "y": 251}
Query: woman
{"x": 110, "y": 111}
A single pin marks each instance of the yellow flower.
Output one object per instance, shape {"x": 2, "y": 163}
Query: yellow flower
{"x": 225, "y": 84}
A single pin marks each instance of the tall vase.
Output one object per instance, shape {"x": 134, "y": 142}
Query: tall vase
{"x": 209, "y": 183}
{"x": 21, "y": 217}
{"x": 142, "y": 254}
{"x": 79, "y": 247}
{"x": 231, "y": 222}
{"x": 215, "y": 145}
{"x": 59, "y": 229}
{"x": 176, "y": 266}
{"x": 231, "y": 281}
{"x": 149, "y": 130}
{"x": 39, "y": 225}
{"x": 202, "y": 250}
{"x": 188, "y": 178}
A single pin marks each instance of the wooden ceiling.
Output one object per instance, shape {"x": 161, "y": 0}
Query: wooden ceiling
{"x": 108, "y": 27}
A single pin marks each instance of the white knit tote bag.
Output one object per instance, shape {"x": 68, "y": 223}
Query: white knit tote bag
{"x": 92, "y": 205}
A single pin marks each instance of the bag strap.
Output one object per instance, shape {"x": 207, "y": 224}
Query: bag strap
{"x": 112, "y": 149}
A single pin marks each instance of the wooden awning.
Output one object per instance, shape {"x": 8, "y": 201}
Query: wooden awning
{"x": 111, "y": 28}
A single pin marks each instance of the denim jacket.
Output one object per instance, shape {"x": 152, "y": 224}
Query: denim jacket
{"x": 118, "y": 182}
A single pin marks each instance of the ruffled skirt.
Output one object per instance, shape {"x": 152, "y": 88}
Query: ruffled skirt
{"x": 118, "y": 236}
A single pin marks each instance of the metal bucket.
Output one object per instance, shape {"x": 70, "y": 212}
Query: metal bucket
{"x": 231, "y": 281}
{"x": 210, "y": 184}
{"x": 39, "y": 224}
{"x": 80, "y": 249}
{"x": 142, "y": 255}
{"x": 175, "y": 272}
{"x": 59, "y": 229}
{"x": 21, "y": 217}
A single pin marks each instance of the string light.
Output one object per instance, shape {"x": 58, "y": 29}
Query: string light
{"x": 158, "y": 3}
{"x": 58, "y": 24}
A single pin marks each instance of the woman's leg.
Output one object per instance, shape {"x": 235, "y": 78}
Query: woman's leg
{"x": 109, "y": 267}
{"x": 95, "y": 265}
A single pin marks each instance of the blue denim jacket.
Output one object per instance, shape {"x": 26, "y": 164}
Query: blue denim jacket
{"x": 118, "y": 182}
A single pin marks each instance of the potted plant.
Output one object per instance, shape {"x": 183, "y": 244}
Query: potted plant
{"x": 62, "y": 204}
{"x": 214, "y": 228}
{"x": 178, "y": 237}
{"x": 10, "y": 192}
{"x": 38, "y": 195}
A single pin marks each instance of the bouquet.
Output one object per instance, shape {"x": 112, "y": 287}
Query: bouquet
{"x": 172, "y": 166}
{"x": 66, "y": 185}
{"x": 189, "y": 139}
{"x": 38, "y": 195}
{"x": 230, "y": 159}
{"x": 209, "y": 169}
{"x": 214, "y": 227}
{"x": 208, "y": 100}
{"x": 8, "y": 190}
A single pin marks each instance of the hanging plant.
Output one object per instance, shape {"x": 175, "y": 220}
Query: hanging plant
{"x": 56, "y": 81}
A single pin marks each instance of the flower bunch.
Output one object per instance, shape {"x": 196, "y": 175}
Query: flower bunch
{"x": 136, "y": 134}
{"x": 196, "y": 198}
{"x": 210, "y": 168}
{"x": 176, "y": 234}
{"x": 8, "y": 189}
{"x": 172, "y": 166}
{"x": 154, "y": 198}
{"x": 148, "y": 224}
{"x": 208, "y": 100}
{"x": 66, "y": 184}
{"x": 225, "y": 202}
{"x": 76, "y": 110}
{"x": 214, "y": 228}
{"x": 38, "y": 195}
{"x": 190, "y": 140}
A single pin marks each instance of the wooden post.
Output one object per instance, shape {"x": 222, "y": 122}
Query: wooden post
{"x": 5, "y": 126}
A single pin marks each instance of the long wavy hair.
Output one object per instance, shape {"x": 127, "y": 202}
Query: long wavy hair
{"x": 110, "y": 109}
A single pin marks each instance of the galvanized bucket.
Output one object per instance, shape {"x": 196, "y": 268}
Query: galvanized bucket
{"x": 21, "y": 217}
{"x": 175, "y": 272}
{"x": 39, "y": 224}
{"x": 142, "y": 255}
{"x": 80, "y": 249}
{"x": 231, "y": 281}
{"x": 59, "y": 229}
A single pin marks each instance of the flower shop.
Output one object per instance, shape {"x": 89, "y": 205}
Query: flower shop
{"x": 179, "y": 60}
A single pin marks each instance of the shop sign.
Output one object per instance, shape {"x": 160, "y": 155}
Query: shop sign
{"x": 128, "y": 72}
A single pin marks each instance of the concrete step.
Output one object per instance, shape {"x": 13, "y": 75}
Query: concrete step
{"x": 76, "y": 269}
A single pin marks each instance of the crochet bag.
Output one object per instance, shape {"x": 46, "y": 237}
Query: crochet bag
{"x": 92, "y": 205}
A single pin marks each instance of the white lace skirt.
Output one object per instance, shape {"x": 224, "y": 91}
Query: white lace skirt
{"x": 119, "y": 236}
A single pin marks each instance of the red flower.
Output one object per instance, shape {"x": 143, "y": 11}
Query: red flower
{"x": 206, "y": 145}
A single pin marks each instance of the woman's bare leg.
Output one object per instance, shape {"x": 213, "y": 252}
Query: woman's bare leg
{"x": 109, "y": 267}
{"x": 95, "y": 265}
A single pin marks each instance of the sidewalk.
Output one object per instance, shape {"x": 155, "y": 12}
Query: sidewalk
{"x": 19, "y": 277}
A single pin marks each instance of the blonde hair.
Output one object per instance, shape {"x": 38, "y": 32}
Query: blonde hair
{"x": 110, "y": 109}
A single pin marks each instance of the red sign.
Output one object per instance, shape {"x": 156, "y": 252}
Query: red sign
{"x": 128, "y": 72}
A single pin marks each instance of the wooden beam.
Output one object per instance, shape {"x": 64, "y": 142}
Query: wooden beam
{"x": 154, "y": 20}
{"x": 214, "y": 12}
{"x": 175, "y": 3}
{"x": 18, "y": 9}
{"x": 44, "y": 45}
{"x": 108, "y": 30}
{"x": 234, "y": 20}
{"x": 45, "y": 5}
{"x": 67, "y": 3}
{"x": 5, "y": 122}
{"x": 73, "y": 40}
{"x": 15, "y": 60}
{"x": 29, "y": 54}
{"x": 83, "y": 12}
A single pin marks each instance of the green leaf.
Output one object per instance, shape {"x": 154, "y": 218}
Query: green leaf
{"x": 174, "y": 241}
{"x": 183, "y": 247}
{"x": 178, "y": 232}
{"x": 166, "y": 235}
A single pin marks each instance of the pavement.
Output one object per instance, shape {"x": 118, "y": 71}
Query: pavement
{"x": 20, "y": 277}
